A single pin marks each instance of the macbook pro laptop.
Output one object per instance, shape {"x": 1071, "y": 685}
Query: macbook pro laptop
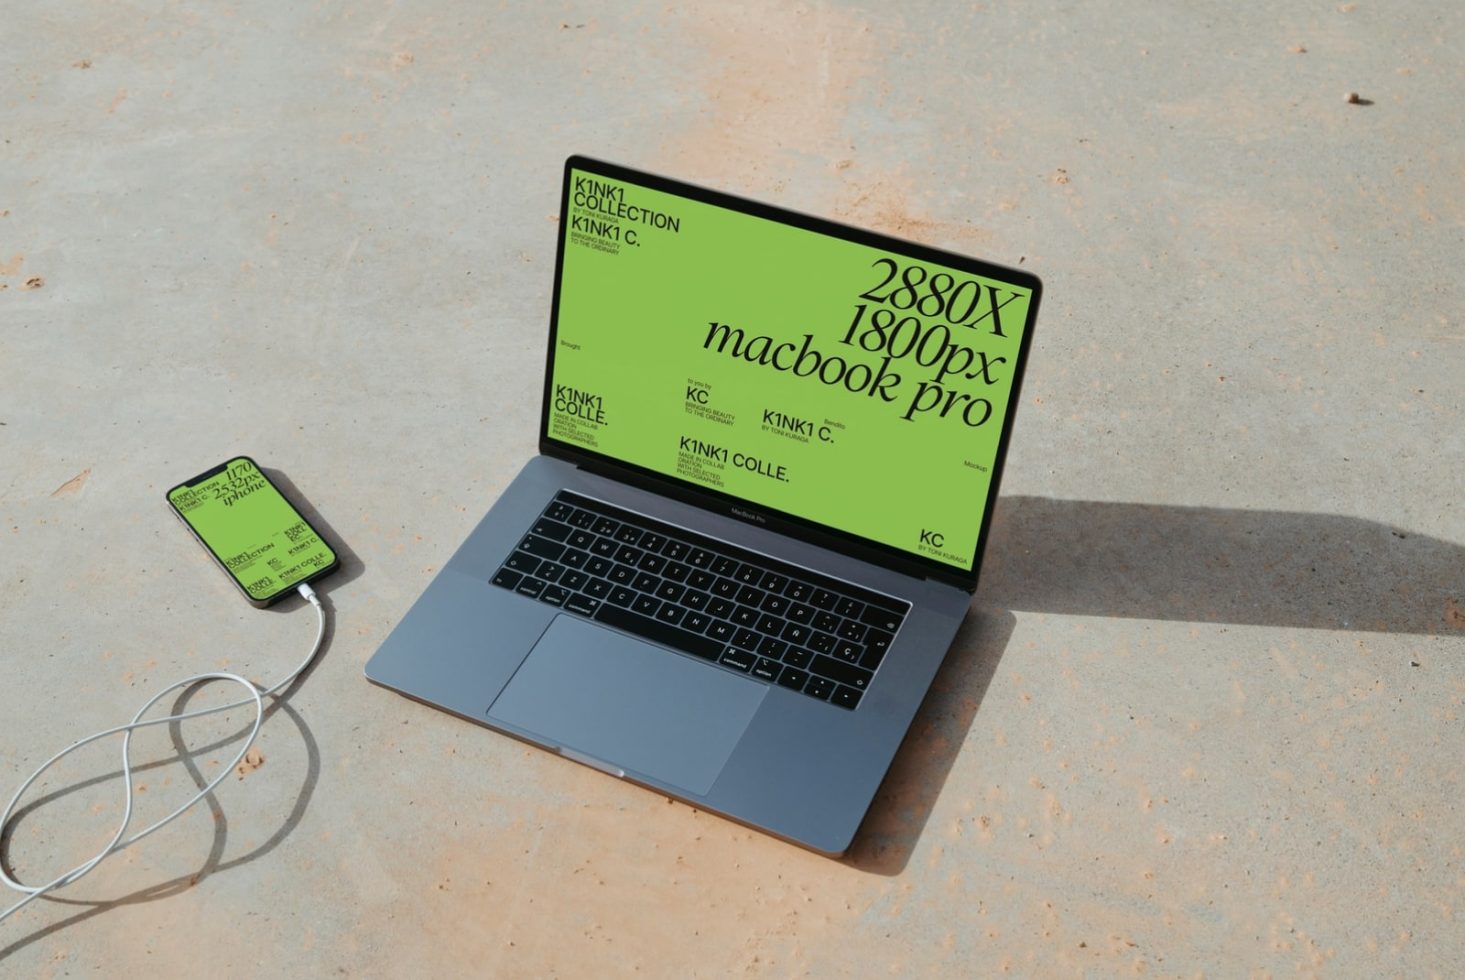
{"x": 769, "y": 451}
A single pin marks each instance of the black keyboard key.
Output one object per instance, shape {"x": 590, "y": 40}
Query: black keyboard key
{"x": 849, "y": 652}
{"x": 651, "y": 563}
{"x": 821, "y": 642}
{"x": 695, "y": 621}
{"x": 604, "y": 526}
{"x": 881, "y": 619}
{"x": 851, "y": 630}
{"x": 749, "y": 596}
{"x": 800, "y": 613}
{"x": 582, "y": 604}
{"x": 824, "y": 599}
{"x": 773, "y": 582}
{"x": 605, "y": 547}
{"x": 725, "y": 587}
{"x": 723, "y": 566}
{"x": 877, "y": 642}
{"x": 669, "y": 613}
{"x": 522, "y": 563}
{"x": 559, "y": 511}
{"x": 720, "y": 631}
{"x": 700, "y": 558}
{"x": 797, "y": 657}
{"x": 743, "y": 616}
{"x": 720, "y": 608}
{"x": 645, "y": 582}
{"x": 628, "y": 534}
{"x": 670, "y": 591}
{"x": 767, "y": 670}
{"x": 652, "y": 541}
{"x": 850, "y": 608}
{"x": 676, "y": 571}
{"x": 738, "y": 659}
{"x": 626, "y": 555}
{"x": 699, "y": 579}
{"x": 582, "y": 519}
{"x": 845, "y": 697}
{"x": 542, "y": 547}
{"x": 792, "y": 677}
{"x": 580, "y": 539}
{"x": 622, "y": 596}
{"x": 838, "y": 670}
{"x": 749, "y": 575}
{"x": 597, "y": 588}
{"x": 769, "y": 625}
{"x": 746, "y": 639}
{"x": 507, "y": 578}
{"x": 695, "y": 600}
{"x": 794, "y": 633}
{"x": 553, "y": 530}
{"x": 676, "y": 550}
{"x": 672, "y": 636}
{"x": 575, "y": 559}
{"x": 574, "y": 580}
{"x": 799, "y": 591}
{"x": 826, "y": 622}
{"x": 820, "y": 688}
{"x": 598, "y": 566}
{"x": 622, "y": 574}
{"x": 554, "y": 595}
{"x": 531, "y": 587}
{"x": 772, "y": 648}
{"x": 646, "y": 605}
{"x": 550, "y": 572}
{"x": 776, "y": 605}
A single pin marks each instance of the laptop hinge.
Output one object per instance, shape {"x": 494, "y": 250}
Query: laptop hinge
{"x": 657, "y": 485}
{"x": 966, "y": 585}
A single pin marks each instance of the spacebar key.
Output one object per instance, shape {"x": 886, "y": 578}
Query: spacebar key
{"x": 658, "y": 632}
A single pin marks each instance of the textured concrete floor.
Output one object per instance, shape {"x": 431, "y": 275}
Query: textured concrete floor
{"x": 1205, "y": 717}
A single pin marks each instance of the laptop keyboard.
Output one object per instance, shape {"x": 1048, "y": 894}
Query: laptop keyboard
{"x": 747, "y": 612}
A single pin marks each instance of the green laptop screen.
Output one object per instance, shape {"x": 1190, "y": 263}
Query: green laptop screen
{"x": 849, "y": 385}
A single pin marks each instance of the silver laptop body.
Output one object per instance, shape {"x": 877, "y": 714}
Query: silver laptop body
{"x": 791, "y": 728}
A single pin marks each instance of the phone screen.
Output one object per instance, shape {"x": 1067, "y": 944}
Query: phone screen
{"x": 254, "y": 533}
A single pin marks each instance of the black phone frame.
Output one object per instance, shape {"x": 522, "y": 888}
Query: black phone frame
{"x": 274, "y": 597}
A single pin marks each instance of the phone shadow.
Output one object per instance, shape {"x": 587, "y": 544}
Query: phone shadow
{"x": 1156, "y": 562}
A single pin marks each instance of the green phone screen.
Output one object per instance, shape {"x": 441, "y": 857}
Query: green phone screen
{"x": 255, "y": 533}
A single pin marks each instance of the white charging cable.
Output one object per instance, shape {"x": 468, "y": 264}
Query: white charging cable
{"x": 117, "y": 843}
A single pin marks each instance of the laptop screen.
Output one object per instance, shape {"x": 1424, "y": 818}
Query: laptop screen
{"x": 850, "y": 381}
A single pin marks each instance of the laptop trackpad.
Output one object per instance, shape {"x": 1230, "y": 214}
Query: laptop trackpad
{"x": 630, "y": 704}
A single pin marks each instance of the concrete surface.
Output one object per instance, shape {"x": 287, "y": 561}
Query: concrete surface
{"x": 1205, "y": 717}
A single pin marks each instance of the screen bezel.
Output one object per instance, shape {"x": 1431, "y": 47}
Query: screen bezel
{"x": 740, "y": 508}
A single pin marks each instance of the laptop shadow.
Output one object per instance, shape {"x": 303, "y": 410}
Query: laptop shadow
{"x": 903, "y": 804}
{"x": 1156, "y": 562}
{"x": 1211, "y": 565}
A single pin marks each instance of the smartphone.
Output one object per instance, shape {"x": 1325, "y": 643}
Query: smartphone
{"x": 254, "y": 534}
